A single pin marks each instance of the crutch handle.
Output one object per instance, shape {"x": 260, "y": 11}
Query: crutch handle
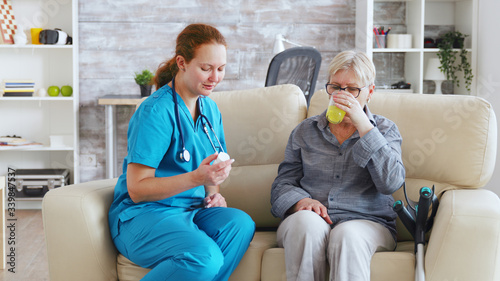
{"x": 435, "y": 205}
{"x": 405, "y": 216}
{"x": 424, "y": 203}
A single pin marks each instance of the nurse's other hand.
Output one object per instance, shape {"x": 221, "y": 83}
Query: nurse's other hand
{"x": 215, "y": 200}
{"x": 215, "y": 174}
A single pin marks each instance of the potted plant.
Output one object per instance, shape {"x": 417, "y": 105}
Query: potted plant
{"x": 450, "y": 62}
{"x": 144, "y": 79}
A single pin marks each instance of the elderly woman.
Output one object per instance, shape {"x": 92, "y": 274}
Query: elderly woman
{"x": 333, "y": 189}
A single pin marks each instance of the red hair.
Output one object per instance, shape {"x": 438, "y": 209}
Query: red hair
{"x": 188, "y": 41}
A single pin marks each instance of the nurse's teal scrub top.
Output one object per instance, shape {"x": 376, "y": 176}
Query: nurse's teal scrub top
{"x": 154, "y": 140}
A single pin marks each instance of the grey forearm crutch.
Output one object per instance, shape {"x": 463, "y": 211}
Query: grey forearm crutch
{"x": 416, "y": 219}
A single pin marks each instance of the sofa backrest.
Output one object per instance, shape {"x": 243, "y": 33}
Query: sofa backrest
{"x": 257, "y": 124}
{"x": 449, "y": 141}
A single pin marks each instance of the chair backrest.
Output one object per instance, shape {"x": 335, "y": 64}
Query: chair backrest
{"x": 297, "y": 65}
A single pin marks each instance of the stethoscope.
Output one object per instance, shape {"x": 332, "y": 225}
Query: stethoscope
{"x": 184, "y": 154}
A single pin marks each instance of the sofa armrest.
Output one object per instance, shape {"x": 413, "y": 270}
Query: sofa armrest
{"x": 79, "y": 245}
{"x": 465, "y": 239}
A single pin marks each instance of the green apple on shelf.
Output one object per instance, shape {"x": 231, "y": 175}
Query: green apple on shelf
{"x": 53, "y": 91}
{"x": 66, "y": 91}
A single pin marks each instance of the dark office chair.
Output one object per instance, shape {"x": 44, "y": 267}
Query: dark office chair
{"x": 297, "y": 65}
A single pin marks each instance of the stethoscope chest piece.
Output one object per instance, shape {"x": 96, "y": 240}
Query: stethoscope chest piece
{"x": 185, "y": 155}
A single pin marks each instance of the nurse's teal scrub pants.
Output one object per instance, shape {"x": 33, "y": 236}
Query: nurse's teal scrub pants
{"x": 186, "y": 244}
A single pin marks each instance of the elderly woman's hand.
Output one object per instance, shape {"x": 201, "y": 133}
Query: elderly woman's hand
{"x": 312, "y": 205}
{"x": 354, "y": 110}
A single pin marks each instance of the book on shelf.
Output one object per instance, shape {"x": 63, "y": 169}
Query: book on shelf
{"x": 17, "y": 83}
{"x": 18, "y": 94}
{"x": 8, "y": 25}
{"x": 18, "y": 88}
{"x": 24, "y": 146}
{"x": 7, "y": 142}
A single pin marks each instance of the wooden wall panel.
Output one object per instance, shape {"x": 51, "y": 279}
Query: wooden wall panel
{"x": 298, "y": 12}
{"x": 120, "y": 37}
{"x": 159, "y": 11}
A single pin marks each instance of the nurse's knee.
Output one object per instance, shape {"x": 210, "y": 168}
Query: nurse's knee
{"x": 202, "y": 263}
{"x": 245, "y": 222}
{"x": 207, "y": 260}
{"x": 242, "y": 222}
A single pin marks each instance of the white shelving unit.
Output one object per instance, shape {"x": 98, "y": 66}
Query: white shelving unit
{"x": 38, "y": 118}
{"x": 461, "y": 14}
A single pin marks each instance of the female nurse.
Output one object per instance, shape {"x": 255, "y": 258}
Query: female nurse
{"x": 167, "y": 213}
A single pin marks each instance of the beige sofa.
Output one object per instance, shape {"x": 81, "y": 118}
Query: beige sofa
{"x": 448, "y": 141}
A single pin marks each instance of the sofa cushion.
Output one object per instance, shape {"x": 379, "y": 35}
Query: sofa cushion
{"x": 396, "y": 265}
{"x": 250, "y": 266}
{"x": 273, "y": 265}
{"x": 129, "y": 271}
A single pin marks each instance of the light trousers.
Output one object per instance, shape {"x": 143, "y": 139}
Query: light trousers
{"x": 183, "y": 244}
{"x": 310, "y": 242}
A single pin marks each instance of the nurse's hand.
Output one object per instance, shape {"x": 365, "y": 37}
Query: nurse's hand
{"x": 214, "y": 200}
{"x": 214, "y": 174}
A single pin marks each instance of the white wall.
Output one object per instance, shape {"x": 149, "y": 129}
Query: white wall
{"x": 488, "y": 77}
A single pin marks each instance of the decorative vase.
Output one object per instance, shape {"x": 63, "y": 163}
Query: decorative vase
{"x": 145, "y": 90}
